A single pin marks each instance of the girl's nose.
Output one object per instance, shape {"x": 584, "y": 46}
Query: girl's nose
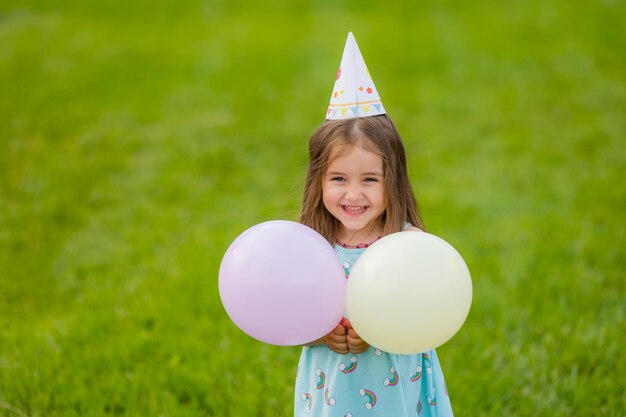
{"x": 354, "y": 192}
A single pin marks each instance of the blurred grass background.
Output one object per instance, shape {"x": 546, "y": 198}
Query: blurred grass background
{"x": 139, "y": 138}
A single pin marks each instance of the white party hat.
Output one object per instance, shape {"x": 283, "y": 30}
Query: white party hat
{"x": 354, "y": 94}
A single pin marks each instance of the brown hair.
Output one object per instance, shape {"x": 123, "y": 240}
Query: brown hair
{"x": 376, "y": 134}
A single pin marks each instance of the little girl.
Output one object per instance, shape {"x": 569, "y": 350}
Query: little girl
{"x": 357, "y": 190}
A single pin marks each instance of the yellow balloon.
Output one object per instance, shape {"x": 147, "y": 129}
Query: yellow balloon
{"x": 408, "y": 293}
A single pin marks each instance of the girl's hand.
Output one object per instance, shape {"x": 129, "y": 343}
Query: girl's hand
{"x": 337, "y": 339}
{"x": 356, "y": 345}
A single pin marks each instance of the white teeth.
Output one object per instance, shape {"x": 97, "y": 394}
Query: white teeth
{"x": 354, "y": 209}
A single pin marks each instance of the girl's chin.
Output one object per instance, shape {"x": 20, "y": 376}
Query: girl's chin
{"x": 353, "y": 226}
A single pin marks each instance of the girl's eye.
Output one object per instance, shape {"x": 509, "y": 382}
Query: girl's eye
{"x": 369, "y": 179}
{"x": 338, "y": 179}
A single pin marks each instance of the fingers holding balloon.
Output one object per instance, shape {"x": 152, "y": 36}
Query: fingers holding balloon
{"x": 340, "y": 348}
{"x": 340, "y": 329}
{"x": 337, "y": 340}
{"x": 338, "y": 334}
{"x": 355, "y": 343}
{"x": 353, "y": 334}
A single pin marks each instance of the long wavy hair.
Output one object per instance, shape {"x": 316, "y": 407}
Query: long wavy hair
{"x": 375, "y": 134}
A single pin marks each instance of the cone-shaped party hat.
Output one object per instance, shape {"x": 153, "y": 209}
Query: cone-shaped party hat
{"x": 354, "y": 94}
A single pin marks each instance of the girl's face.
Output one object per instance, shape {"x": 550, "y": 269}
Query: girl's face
{"x": 353, "y": 190}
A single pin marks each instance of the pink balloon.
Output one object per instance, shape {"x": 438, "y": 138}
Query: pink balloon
{"x": 281, "y": 283}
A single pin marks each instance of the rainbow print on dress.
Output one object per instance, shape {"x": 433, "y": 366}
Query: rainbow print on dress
{"x": 393, "y": 381}
{"x": 328, "y": 400}
{"x": 309, "y": 401}
{"x": 321, "y": 379}
{"x": 416, "y": 375}
{"x": 369, "y": 396}
{"x": 350, "y": 368}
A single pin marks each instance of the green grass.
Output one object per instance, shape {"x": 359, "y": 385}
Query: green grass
{"x": 138, "y": 139}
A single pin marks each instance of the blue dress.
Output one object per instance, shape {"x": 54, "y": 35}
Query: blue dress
{"x": 372, "y": 383}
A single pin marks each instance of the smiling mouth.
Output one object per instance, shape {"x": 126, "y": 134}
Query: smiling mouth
{"x": 354, "y": 210}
